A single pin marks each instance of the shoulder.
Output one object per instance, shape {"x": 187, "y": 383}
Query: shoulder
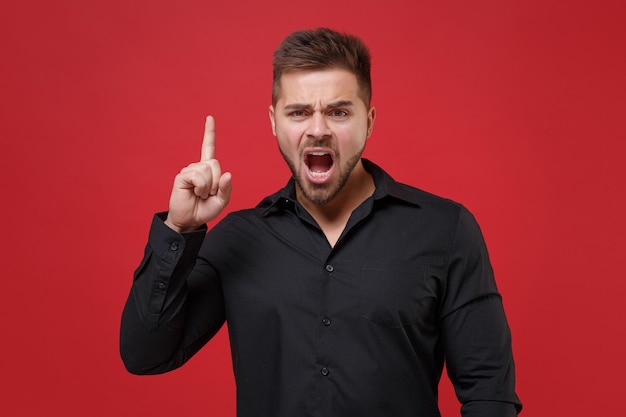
{"x": 429, "y": 206}
{"x": 427, "y": 210}
{"x": 390, "y": 191}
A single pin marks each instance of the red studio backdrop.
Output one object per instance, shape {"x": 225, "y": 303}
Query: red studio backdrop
{"x": 514, "y": 108}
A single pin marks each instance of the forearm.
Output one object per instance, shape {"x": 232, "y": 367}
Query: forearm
{"x": 479, "y": 359}
{"x": 160, "y": 327}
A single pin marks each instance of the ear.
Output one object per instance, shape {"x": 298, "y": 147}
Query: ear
{"x": 272, "y": 119}
{"x": 371, "y": 118}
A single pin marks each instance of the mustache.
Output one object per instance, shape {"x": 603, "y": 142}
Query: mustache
{"x": 323, "y": 143}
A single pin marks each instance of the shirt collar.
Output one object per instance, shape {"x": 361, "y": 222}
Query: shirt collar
{"x": 386, "y": 187}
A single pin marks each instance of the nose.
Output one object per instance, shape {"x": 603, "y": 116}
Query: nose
{"x": 318, "y": 127}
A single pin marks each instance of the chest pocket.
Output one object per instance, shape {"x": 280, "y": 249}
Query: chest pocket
{"x": 398, "y": 294}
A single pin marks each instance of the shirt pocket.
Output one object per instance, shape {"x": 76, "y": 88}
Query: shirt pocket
{"x": 396, "y": 294}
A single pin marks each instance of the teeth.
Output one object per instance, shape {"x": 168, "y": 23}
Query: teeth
{"x": 318, "y": 174}
{"x": 319, "y": 153}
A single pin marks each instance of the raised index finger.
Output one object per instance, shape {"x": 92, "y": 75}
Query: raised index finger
{"x": 208, "y": 143}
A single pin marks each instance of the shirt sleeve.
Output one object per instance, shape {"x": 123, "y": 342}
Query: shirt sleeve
{"x": 175, "y": 304}
{"x": 476, "y": 335}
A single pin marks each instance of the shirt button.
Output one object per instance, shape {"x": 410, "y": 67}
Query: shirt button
{"x": 161, "y": 286}
{"x": 174, "y": 247}
{"x": 330, "y": 268}
{"x": 326, "y": 321}
{"x": 325, "y": 371}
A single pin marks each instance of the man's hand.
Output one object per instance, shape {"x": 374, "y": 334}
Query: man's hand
{"x": 200, "y": 190}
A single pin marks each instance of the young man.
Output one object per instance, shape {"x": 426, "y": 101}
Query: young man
{"x": 344, "y": 291}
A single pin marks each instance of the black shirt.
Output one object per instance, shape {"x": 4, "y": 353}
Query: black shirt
{"x": 358, "y": 329}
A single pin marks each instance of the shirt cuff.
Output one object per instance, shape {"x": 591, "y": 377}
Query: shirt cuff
{"x": 490, "y": 409}
{"x": 168, "y": 244}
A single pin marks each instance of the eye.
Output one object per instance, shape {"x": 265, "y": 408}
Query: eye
{"x": 338, "y": 113}
{"x": 297, "y": 114}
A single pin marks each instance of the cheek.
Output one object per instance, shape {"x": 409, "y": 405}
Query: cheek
{"x": 288, "y": 143}
{"x": 352, "y": 138}
{"x": 288, "y": 135}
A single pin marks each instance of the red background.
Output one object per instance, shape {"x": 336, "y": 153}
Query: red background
{"x": 515, "y": 109}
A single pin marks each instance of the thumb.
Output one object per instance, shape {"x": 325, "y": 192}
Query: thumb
{"x": 225, "y": 187}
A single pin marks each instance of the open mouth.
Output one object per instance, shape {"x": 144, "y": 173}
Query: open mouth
{"x": 319, "y": 163}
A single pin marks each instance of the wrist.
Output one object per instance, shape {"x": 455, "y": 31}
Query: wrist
{"x": 172, "y": 226}
{"x": 185, "y": 228}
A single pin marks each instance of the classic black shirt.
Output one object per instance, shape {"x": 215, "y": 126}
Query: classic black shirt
{"x": 356, "y": 330}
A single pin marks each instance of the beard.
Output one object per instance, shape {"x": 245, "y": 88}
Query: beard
{"x": 321, "y": 194}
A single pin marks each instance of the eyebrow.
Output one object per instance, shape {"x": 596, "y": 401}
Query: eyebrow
{"x": 302, "y": 106}
{"x": 340, "y": 103}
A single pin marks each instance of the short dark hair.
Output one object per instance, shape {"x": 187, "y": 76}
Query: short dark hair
{"x": 319, "y": 49}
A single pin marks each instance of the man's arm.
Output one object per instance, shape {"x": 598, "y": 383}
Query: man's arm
{"x": 175, "y": 304}
{"x": 475, "y": 332}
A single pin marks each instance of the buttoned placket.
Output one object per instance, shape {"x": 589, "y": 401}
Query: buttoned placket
{"x": 325, "y": 370}
{"x": 326, "y": 321}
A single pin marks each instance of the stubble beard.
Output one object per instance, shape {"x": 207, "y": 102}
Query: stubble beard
{"x": 321, "y": 194}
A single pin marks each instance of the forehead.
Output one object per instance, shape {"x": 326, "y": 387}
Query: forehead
{"x": 315, "y": 86}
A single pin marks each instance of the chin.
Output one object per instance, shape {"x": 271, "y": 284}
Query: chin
{"x": 318, "y": 194}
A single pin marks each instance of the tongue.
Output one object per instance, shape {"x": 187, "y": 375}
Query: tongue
{"x": 320, "y": 163}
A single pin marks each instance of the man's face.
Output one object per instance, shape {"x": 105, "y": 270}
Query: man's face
{"x": 321, "y": 126}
